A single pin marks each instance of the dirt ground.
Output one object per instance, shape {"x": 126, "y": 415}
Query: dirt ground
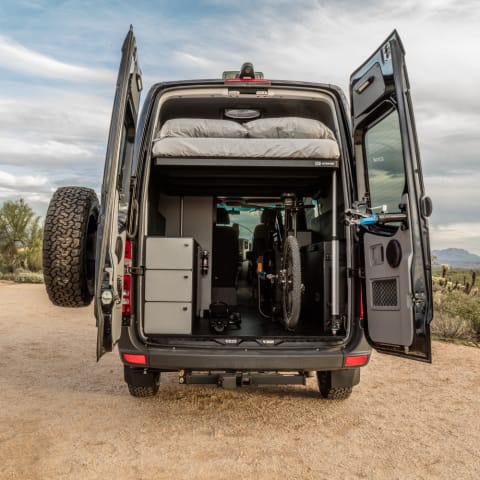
{"x": 63, "y": 416}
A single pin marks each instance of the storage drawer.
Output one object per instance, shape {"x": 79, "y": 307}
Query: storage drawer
{"x": 168, "y": 285}
{"x": 169, "y": 253}
{"x": 168, "y": 318}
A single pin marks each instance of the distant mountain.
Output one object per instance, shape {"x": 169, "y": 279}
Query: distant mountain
{"x": 457, "y": 257}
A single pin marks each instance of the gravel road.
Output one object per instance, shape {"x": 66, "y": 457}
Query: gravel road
{"x": 63, "y": 416}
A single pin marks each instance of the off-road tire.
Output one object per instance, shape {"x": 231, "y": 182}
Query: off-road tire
{"x": 292, "y": 290}
{"x": 329, "y": 392}
{"x": 142, "y": 392}
{"x": 69, "y": 246}
{"x": 141, "y": 383}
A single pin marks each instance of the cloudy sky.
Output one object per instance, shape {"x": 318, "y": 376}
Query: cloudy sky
{"x": 59, "y": 58}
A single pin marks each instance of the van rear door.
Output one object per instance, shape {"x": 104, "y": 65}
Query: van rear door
{"x": 111, "y": 235}
{"x": 397, "y": 293}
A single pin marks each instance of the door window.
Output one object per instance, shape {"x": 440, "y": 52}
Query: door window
{"x": 386, "y": 171}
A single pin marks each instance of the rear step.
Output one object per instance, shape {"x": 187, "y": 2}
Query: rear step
{"x": 241, "y": 379}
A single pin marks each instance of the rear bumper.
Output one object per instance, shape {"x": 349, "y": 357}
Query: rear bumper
{"x": 242, "y": 358}
{"x": 230, "y": 359}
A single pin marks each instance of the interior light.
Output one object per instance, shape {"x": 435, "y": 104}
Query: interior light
{"x": 242, "y": 113}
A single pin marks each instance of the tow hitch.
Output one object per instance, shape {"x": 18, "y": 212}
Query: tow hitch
{"x": 241, "y": 379}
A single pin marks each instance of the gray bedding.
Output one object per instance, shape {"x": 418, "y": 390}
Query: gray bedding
{"x": 246, "y": 147}
{"x": 279, "y": 137}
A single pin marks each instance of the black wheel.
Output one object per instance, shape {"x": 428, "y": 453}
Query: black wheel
{"x": 219, "y": 327}
{"x": 326, "y": 389}
{"x": 69, "y": 246}
{"x": 142, "y": 392}
{"x": 292, "y": 286}
{"x": 141, "y": 383}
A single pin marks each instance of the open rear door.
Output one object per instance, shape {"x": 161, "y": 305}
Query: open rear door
{"x": 395, "y": 245}
{"x": 111, "y": 233}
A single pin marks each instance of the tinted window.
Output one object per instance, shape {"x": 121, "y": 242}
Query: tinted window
{"x": 386, "y": 173}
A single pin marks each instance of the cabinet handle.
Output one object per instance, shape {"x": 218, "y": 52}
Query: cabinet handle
{"x": 185, "y": 309}
{"x": 185, "y": 276}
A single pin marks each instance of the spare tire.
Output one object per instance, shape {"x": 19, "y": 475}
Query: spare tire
{"x": 69, "y": 246}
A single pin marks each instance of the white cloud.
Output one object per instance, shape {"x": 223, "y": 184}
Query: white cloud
{"x": 455, "y": 196}
{"x": 8, "y": 181}
{"x": 17, "y": 58}
{"x": 190, "y": 59}
{"x": 36, "y": 190}
{"x": 23, "y": 150}
{"x": 68, "y": 128}
{"x": 466, "y": 235}
{"x": 59, "y": 115}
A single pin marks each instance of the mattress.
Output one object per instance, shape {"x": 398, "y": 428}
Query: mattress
{"x": 299, "y": 148}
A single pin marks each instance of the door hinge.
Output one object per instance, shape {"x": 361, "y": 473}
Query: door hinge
{"x": 418, "y": 298}
{"x": 386, "y": 52}
{"x": 355, "y": 273}
{"x": 140, "y": 270}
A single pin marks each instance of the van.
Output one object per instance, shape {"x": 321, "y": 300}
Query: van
{"x": 252, "y": 231}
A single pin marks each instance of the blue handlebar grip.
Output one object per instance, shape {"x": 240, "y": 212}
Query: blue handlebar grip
{"x": 372, "y": 220}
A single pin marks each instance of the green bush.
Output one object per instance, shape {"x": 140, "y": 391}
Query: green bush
{"x": 456, "y": 315}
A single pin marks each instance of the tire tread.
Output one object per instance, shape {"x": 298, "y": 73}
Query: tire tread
{"x": 64, "y": 246}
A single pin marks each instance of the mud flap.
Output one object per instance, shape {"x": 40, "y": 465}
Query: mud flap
{"x": 348, "y": 377}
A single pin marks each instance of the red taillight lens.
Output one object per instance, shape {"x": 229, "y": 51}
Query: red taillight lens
{"x": 127, "y": 294}
{"x": 128, "y": 253}
{"x": 136, "y": 358}
{"x": 247, "y": 80}
{"x": 355, "y": 360}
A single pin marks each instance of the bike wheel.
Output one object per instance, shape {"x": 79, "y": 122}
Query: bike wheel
{"x": 292, "y": 286}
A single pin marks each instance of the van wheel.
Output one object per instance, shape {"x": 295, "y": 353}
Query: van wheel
{"x": 142, "y": 392}
{"x": 292, "y": 288}
{"x": 141, "y": 383}
{"x": 326, "y": 389}
{"x": 69, "y": 246}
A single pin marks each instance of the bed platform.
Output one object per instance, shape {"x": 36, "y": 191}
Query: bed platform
{"x": 202, "y": 142}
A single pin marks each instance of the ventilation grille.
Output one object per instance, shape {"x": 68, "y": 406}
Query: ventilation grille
{"x": 384, "y": 293}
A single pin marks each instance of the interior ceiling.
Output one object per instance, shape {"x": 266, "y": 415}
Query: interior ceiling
{"x": 240, "y": 182}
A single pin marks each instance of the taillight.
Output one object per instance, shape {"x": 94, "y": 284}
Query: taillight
{"x": 136, "y": 358}
{"x": 355, "y": 360}
{"x": 128, "y": 253}
{"x": 127, "y": 280}
{"x": 127, "y": 295}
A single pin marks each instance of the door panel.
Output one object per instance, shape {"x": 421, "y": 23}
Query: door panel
{"x": 388, "y": 288}
{"x": 111, "y": 233}
{"x": 396, "y": 252}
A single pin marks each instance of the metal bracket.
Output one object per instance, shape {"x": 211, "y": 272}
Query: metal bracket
{"x": 140, "y": 270}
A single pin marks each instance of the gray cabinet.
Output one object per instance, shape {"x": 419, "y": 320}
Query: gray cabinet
{"x": 170, "y": 284}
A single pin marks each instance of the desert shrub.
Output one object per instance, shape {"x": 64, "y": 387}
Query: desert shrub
{"x": 23, "y": 276}
{"x": 456, "y": 315}
{"x": 28, "y": 277}
{"x": 20, "y": 237}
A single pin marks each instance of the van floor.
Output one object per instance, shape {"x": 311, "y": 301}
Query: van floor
{"x": 255, "y": 325}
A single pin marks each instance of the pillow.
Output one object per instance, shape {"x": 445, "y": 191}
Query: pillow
{"x": 202, "y": 127}
{"x": 288, "y": 127}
